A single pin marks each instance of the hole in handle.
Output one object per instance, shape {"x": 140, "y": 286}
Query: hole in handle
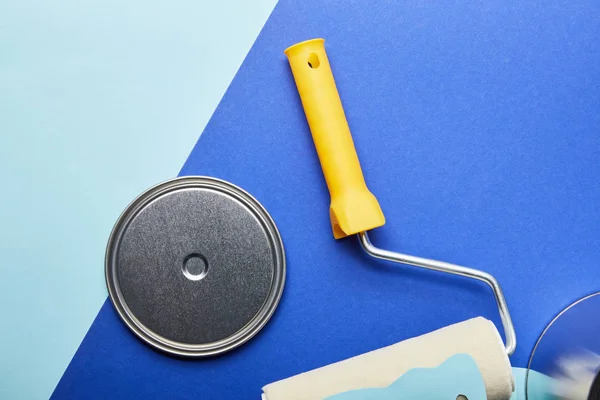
{"x": 461, "y": 397}
{"x": 313, "y": 61}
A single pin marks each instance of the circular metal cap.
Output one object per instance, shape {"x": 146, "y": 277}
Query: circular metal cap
{"x": 195, "y": 266}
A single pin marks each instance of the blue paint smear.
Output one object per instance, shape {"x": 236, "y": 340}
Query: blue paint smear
{"x": 458, "y": 375}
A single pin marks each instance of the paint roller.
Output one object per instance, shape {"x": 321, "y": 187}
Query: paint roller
{"x": 354, "y": 210}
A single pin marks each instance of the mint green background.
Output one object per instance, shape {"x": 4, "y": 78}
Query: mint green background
{"x": 98, "y": 101}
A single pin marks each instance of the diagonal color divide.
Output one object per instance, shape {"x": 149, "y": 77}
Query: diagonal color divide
{"x": 98, "y": 101}
{"x": 477, "y": 129}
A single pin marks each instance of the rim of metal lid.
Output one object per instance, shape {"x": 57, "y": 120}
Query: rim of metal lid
{"x": 253, "y": 326}
{"x": 546, "y": 329}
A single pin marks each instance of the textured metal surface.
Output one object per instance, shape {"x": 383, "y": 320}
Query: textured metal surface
{"x": 195, "y": 266}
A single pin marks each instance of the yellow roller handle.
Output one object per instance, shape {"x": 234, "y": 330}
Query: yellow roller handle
{"x": 353, "y": 207}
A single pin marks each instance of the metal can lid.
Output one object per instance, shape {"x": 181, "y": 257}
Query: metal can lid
{"x": 565, "y": 361}
{"x": 195, "y": 266}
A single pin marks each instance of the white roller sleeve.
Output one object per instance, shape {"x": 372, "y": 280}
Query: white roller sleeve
{"x": 477, "y": 337}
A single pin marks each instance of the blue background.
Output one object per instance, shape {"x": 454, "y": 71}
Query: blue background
{"x": 477, "y": 126}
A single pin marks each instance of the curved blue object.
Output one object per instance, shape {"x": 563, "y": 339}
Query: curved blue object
{"x": 457, "y": 376}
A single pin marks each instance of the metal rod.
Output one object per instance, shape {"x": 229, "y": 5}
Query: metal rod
{"x": 509, "y": 329}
